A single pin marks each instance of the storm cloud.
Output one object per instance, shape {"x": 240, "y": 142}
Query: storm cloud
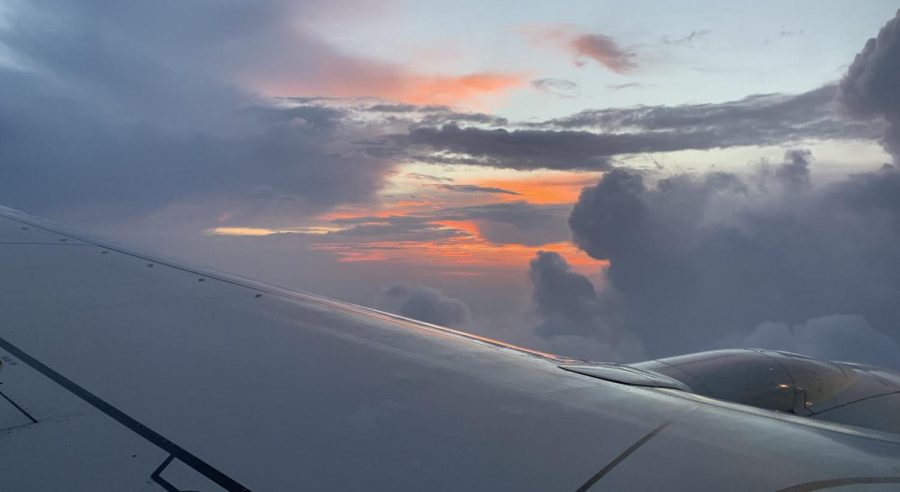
{"x": 571, "y": 312}
{"x": 870, "y": 87}
{"x": 694, "y": 258}
{"x": 565, "y": 299}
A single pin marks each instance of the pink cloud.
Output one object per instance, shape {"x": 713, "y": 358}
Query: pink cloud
{"x": 583, "y": 47}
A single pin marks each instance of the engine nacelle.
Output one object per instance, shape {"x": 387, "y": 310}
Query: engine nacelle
{"x": 847, "y": 393}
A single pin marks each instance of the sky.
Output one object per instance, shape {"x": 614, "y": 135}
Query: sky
{"x": 600, "y": 180}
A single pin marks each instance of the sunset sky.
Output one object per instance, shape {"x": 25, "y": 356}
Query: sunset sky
{"x": 417, "y": 156}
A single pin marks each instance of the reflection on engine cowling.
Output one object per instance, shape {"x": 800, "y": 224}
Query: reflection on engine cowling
{"x": 841, "y": 392}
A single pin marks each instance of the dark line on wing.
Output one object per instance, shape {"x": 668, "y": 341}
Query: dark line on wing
{"x": 142, "y": 430}
{"x": 32, "y": 419}
{"x": 24, "y": 243}
{"x": 157, "y": 477}
{"x": 612, "y": 464}
{"x": 838, "y": 482}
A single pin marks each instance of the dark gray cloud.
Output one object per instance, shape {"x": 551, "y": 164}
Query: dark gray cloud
{"x": 515, "y": 149}
{"x": 126, "y": 109}
{"x": 592, "y": 139}
{"x": 571, "y": 313}
{"x": 754, "y": 120}
{"x": 475, "y": 189}
{"x": 694, "y": 258}
{"x": 424, "y": 304}
{"x": 566, "y": 300}
{"x": 429, "y": 114}
{"x": 869, "y": 89}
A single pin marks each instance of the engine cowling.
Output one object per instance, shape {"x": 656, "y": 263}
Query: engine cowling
{"x": 847, "y": 393}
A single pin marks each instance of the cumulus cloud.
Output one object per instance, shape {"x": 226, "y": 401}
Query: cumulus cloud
{"x": 565, "y": 299}
{"x": 835, "y": 337}
{"x": 571, "y": 311}
{"x": 695, "y": 256}
{"x": 424, "y": 304}
{"x": 869, "y": 88}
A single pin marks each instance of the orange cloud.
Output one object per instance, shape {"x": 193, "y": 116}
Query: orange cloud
{"x": 358, "y": 78}
{"x": 464, "y": 251}
{"x": 452, "y": 90}
{"x": 543, "y": 189}
{"x": 467, "y": 254}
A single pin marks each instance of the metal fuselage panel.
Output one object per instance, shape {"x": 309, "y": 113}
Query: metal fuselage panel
{"x": 281, "y": 391}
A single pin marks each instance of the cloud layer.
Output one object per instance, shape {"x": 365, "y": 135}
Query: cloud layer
{"x": 593, "y": 139}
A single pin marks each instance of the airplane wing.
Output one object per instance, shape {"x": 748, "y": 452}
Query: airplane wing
{"x": 123, "y": 371}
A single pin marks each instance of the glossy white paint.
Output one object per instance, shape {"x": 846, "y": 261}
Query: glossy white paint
{"x": 286, "y": 391}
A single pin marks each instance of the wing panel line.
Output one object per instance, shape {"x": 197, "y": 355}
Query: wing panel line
{"x": 142, "y": 430}
{"x": 612, "y": 464}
